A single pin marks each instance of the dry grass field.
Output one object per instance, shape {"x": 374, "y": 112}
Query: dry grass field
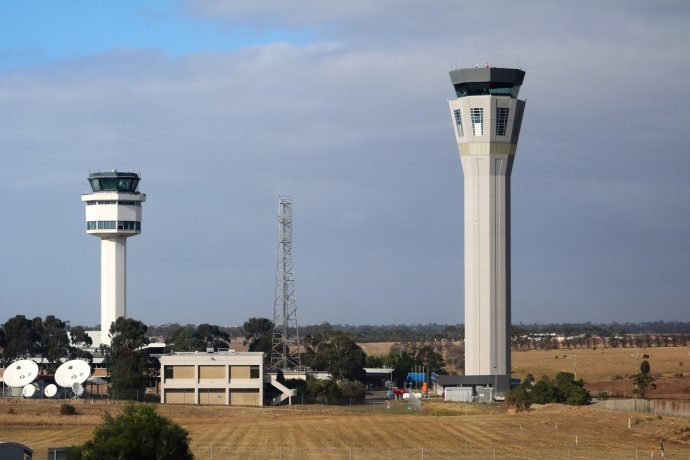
{"x": 609, "y": 369}
{"x": 591, "y": 365}
{"x": 602, "y": 363}
{"x": 441, "y": 430}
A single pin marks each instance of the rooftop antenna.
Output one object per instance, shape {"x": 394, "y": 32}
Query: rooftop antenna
{"x": 285, "y": 343}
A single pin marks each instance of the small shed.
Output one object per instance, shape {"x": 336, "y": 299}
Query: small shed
{"x": 459, "y": 394}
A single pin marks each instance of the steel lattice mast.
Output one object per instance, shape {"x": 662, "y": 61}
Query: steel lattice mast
{"x": 285, "y": 350}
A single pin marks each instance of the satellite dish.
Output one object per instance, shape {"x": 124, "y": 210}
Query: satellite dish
{"x": 77, "y": 388}
{"x": 50, "y": 391}
{"x": 28, "y": 390}
{"x": 20, "y": 373}
{"x": 74, "y": 371}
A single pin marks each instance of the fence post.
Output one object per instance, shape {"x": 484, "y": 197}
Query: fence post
{"x": 422, "y": 453}
{"x": 494, "y": 454}
{"x": 350, "y": 453}
{"x": 211, "y": 451}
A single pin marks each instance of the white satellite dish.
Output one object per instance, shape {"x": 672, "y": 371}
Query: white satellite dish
{"x": 28, "y": 390}
{"x": 77, "y": 388}
{"x": 74, "y": 371}
{"x": 50, "y": 391}
{"x": 20, "y": 373}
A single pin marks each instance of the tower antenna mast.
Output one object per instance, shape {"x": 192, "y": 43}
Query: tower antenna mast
{"x": 285, "y": 344}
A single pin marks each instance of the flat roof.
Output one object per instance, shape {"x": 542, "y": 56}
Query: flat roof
{"x": 507, "y": 76}
{"x": 215, "y": 353}
{"x": 113, "y": 173}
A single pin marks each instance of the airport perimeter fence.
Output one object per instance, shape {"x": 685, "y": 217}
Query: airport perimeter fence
{"x": 130, "y": 394}
{"x": 229, "y": 452}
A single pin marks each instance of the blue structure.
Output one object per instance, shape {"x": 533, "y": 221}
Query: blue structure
{"x": 415, "y": 377}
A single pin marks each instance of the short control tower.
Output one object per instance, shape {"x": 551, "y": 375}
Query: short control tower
{"x": 486, "y": 117}
{"x": 113, "y": 213}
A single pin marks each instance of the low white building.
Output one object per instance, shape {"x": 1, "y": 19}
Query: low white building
{"x": 224, "y": 378}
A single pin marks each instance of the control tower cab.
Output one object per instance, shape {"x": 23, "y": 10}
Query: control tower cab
{"x": 113, "y": 213}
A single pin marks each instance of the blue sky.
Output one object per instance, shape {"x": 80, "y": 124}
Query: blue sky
{"x": 37, "y": 32}
{"x": 222, "y": 106}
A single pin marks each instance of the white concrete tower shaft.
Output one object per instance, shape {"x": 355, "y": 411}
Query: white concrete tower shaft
{"x": 113, "y": 213}
{"x": 113, "y": 281}
{"x": 486, "y": 120}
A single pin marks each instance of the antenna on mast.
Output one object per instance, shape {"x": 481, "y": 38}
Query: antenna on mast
{"x": 285, "y": 344}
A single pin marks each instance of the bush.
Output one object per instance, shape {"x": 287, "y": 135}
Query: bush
{"x": 68, "y": 409}
{"x": 11, "y": 411}
{"x": 296, "y": 384}
{"x": 138, "y": 433}
{"x": 564, "y": 389}
{"x": 323, "y": 390}
{"x": 353, "y": 390}
{"x": 519, "y": 398}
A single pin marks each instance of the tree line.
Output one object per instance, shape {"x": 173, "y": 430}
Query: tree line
{"x": 21, "y": 337}
{"x": 456, "y": 332}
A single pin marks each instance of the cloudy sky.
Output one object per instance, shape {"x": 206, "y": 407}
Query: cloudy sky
{"x": 224, "y": 105}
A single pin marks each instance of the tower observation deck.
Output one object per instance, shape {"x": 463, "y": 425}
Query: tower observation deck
{"x": 486, "y": 118}
{"x": 113, "y": 213}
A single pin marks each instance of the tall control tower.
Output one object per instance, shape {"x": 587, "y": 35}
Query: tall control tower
{"x": 486, "y": 119}
{"x": 113, "y": 213}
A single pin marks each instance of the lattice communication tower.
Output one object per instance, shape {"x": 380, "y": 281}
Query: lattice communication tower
{"x": 286, "y": 344}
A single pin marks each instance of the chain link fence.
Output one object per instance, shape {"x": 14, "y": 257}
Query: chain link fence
{"x": 228, "y": 452}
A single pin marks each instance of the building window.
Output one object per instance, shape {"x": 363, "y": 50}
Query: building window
{"x": 112, "y": 225}
{"x": 501, "y": 120}
{"x": 458, "y": 121}
{"x": 106, "y": 225}
{"x": 477, "y": 116}
{"x": 253, "y": 372}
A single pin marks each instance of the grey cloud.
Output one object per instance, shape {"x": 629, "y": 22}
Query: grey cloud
{"x": 356, "y": 127}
